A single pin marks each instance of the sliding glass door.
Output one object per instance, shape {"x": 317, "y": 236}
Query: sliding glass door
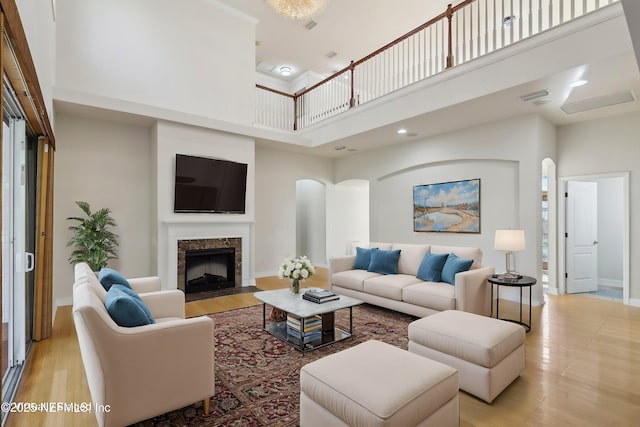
{"x": 18, "y": 223}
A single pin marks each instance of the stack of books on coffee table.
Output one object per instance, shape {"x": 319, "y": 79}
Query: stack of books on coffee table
{"x": 312, "y": 327}
{"x": 320, "y": 295}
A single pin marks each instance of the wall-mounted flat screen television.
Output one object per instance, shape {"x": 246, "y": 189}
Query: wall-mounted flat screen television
{"x": 209, "y": 185}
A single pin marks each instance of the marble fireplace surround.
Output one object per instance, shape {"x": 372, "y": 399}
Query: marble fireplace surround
{"x": 214, "y": 243}
{"x": 174, "y": 230}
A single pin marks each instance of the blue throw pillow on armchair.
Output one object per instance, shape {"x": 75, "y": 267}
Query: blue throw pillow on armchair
{"x": 430, "y": 269}
{"x": 384, "y": 262}
{"x": 109, "y": 277}
{"x": 363, "y": 258}
{"x": 126, "y": 308}
{"x": 453, "y": 266}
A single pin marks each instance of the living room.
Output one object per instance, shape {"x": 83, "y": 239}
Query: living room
{"x": 79, "y": 82}
{"x": 125, "y": 105}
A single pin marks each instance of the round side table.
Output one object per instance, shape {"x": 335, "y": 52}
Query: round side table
{"x": 524, "y": 281}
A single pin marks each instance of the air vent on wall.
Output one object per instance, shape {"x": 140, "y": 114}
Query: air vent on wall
{"x": 603, "y": 101}
{"x": 331, "y": 54}
{"x": 309, "y": 25}
{"x": 534, "y": 95}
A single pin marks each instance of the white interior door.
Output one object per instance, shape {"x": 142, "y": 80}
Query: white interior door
{"x": 582, "y": 232}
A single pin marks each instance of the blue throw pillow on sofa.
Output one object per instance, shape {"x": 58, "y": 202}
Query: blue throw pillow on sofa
{"x": 430, "y": 269}
{"x": 126, "y": 308}
{"x": 363, "y": 258}
{"x": 109, "y": 277}
{"x": 384, "y": 262}
{"x": 453, "y": 266}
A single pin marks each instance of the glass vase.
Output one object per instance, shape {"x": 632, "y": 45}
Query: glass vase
{"x": 295, "y": 286}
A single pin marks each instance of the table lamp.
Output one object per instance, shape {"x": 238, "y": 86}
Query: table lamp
{"x": 509, "y": 241}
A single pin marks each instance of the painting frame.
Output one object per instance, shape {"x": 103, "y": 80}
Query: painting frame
{"x": 447, "y": 207}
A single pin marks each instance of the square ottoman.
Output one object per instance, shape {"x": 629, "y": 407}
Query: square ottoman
{"x": 377, "y": 384}
{"x": 488, "y": 353}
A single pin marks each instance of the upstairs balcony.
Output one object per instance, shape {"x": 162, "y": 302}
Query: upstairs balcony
{"x": 461, "y": 33}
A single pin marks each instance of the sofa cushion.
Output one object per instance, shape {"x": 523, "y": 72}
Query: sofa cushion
{"x": 380, "y": 245}
{"x": 126, "y": 308}
{"x": 430, "y": 269}
{"x": 389, "y": 286}
{"x": 435, "y": 295}
{"x": 109, "y": 277}
{"x": 384, "y": 262}
{"x": 410, "y": 258}
{"x": 462, "y": 252}
{"x": 453, "y": 266}
{"x": 352, "y": 279}
{"x": 363, "y": 258}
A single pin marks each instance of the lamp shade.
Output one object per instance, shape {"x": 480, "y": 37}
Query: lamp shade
{"x": 509, "y": 240}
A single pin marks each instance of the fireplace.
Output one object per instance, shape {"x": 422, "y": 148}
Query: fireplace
{"x": 209, "y": 269}
{"x": 209, "y": 264}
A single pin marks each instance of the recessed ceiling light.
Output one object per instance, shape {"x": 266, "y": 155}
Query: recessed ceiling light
{"x": 285, "y": 71}
{"x": 402, "y": 131}
{"x": 579, "y": 83}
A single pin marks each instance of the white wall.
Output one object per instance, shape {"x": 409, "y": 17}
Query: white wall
{"x": 311, "y": 220}
{"x": 196, "y": 57}
{"x": 275, "y": 198}
{"x": 505, "y": 155}
{"x": 108, "y": 165}
{"x": 347, "y": 217}
{"x": 608, "y": 145}
{"x": 38, "y": 22}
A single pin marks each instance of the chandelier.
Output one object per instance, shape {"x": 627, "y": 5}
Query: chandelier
{"x": 297, "y": 9}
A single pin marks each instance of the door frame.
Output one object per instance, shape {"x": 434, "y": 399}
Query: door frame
{"x": 562, "y": 260}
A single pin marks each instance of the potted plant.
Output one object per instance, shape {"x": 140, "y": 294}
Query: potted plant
{"x": 93, "y": 241}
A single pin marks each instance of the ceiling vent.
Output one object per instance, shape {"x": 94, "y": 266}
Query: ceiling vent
{"x": 603, "y": 101}
{"x": 331, "y": 54}
{"x": 534, "y": 95}
{"x": 309, "y": 25}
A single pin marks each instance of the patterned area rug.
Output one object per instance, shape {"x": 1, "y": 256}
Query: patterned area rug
{"x": 257, "y": 375}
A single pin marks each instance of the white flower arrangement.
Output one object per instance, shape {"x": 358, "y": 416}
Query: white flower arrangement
{"x": 299, "y": 268}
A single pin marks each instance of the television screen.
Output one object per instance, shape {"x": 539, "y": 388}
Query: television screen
{"x": 209, "y": 185}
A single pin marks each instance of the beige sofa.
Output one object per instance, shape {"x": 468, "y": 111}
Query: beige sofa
{"x": 140, "y": 372}
{"x": 406, "y": 293}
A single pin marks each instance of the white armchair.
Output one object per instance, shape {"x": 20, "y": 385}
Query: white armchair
{"x": 140, "y": 372}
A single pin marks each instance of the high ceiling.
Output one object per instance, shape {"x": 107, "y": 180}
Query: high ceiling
{"x": 355, "y": 28}
{"x": 350, "y": 28}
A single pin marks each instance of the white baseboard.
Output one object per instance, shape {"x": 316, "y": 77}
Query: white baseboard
{"x": 611, "y": 282}
{"x": 634, "y": 302}
{"x": 266, "y": 273}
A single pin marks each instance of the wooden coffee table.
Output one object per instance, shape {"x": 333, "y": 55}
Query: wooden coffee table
{"x": 303, "y": 309}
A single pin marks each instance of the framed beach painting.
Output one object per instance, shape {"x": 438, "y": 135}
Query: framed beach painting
{"x": 452, "y": 207}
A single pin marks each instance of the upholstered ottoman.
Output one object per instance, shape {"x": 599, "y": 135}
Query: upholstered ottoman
{"x": 377, "y": 384}
{"x": 488, "y": 353}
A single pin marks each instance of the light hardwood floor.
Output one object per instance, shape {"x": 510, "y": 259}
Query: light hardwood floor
{"x": 583, "y": 366}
